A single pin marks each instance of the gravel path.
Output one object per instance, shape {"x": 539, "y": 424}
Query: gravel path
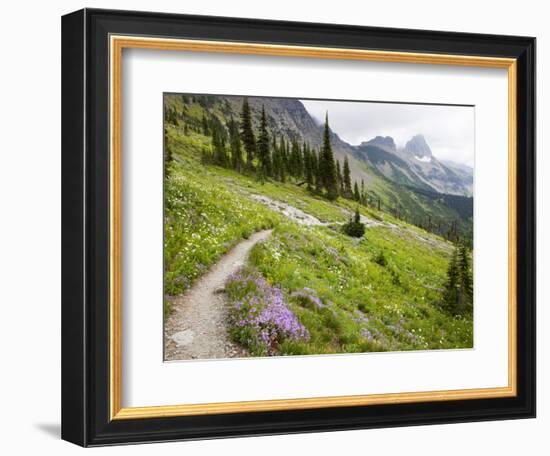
{"x": 197, "y": 325}
{"x": 291, "y": 212}
{"x": 303, "y": 218}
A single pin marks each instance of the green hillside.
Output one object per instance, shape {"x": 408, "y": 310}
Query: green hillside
{"x": 326, "y": 292}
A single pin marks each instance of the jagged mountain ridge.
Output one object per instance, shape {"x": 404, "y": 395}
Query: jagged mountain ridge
{"x": 414, "y": 165}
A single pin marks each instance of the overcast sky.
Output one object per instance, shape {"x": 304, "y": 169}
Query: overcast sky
{"x": 449, "y": 130}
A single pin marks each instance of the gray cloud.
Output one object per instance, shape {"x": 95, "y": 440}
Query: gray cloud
{"x": 449, "y": 130}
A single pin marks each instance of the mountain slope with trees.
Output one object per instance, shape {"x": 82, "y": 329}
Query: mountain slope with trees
{"x": 296, "y": 146}
{"x": 328, "y": 287}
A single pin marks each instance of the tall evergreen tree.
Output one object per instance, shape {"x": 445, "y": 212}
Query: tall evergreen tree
{"x": 205, "y": 129}
{"x": 458, "y": 293}
{"x": 308, "y": 168}
{"x": 294, "y": 165}
{"x": 218, "y": 147}
{"x": 339, "y": 178}
{"x": 305, "y": 150}
{"x": 356, "y": 194}
{"x": 235, "y": 144}
{"x": 327, "y": 168}
{"x": 347, "y": 179}
{"x": 275, "y": 159}
{"x": 264, "y": 165}
{"x": 318, "y": 175}
{"x": 450, "y": 295}
{"x": 247, "y": 135}
{"x": 168, "y": 157}
{"x": 282, "y": 160}
{"x": 466, "y": 295}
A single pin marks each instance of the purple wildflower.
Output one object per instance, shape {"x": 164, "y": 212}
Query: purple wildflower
{"x": 262, "y": 316}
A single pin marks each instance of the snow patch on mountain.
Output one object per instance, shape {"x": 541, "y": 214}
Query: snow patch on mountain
{"x": 424, "y": 159}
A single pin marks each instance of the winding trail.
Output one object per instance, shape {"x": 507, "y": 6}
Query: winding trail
{"x": 197, "y": 326}
{"x": 303, "y": 218}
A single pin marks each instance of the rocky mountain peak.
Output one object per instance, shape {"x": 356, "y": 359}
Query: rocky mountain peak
{"x": 418, "y": 147}
{"x": 384, "y": 142}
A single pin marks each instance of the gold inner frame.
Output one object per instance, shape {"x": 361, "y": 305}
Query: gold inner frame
{"x": 117, "y": 44}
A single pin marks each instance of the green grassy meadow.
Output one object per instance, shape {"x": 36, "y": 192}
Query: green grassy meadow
{"x": 381, "y": 292}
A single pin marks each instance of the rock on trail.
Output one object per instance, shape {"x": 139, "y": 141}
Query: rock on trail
{"x": 197, "y": 325}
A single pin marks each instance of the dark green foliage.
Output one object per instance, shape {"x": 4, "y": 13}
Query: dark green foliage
{"x": 356, "y": 195}
{"x": 466, "y": 296}
{"x": 171, "y": 116}
{"x": 346, "y": 179}
{"x": 218, "y": 148}
{"x": 168, "y": 158}
{"x": 205, "y": 128}
{"x": 247, "y": 135}
{"x": 339, "y": 179}
{"x": 354, "y": 228}
{"x": 295, "y": 164}
{"x": 235, "y": 143}
{"x": 316, "y": 166}
{"x": 458, "y": 293}
{"x": 380, "y": 259}
{"x": 277, "y": 170}
{"x": 309, "y": 168}
{"x": 327, "y": 169}
{"x": 264, "y": 165}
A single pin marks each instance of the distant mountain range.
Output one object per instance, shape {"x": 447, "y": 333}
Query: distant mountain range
{"x": 414, "y": 165}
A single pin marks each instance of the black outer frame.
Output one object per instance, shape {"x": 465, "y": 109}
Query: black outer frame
{"x": 85, "y": 227}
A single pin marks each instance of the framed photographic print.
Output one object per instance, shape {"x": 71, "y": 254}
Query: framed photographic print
{"x": 278, "y": 227}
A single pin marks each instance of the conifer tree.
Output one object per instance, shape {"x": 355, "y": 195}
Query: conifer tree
{"x": 339, "y": 178}
{"x": 205, "y": 129}
{"x": 450, "y": 295}
{"x": 363, "y": 194}
{"x": 308, "y": 168}
{"x": 356, "y": 195}
{"x": 168, "y": 158}
{"x": 264, "y": 165}
{"x": 282, "y": 160}
{"x": 458, "y": 293}
{"x": 466, "y": 294}
{"x": 347, "y": 179}
{"x": 247, "y": 135}
{"x": 275, "y": 159}
{"x": 326, "y": 165}
{"x": 294, "y": 165}
{"x": 235, "y": 144}
{"x": 316, "y": 167}
{"x": 304, "y": 151}
{"x": 218, "y": 148}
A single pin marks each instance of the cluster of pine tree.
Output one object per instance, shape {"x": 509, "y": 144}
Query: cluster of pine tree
{"x": 458, "y": 295}
{"x": 238, "y": 146}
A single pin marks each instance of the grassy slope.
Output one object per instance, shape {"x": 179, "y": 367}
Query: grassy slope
{"x": 367, "y": 307}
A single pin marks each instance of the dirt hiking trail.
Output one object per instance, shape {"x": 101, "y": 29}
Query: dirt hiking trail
{"x": 197, "y": 325}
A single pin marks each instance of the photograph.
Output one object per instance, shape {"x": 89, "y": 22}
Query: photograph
{"x": 316, "y": 227}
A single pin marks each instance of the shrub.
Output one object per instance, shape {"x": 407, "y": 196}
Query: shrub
{"x": 380, "y": 259}
{"x": 354, "y": 227}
